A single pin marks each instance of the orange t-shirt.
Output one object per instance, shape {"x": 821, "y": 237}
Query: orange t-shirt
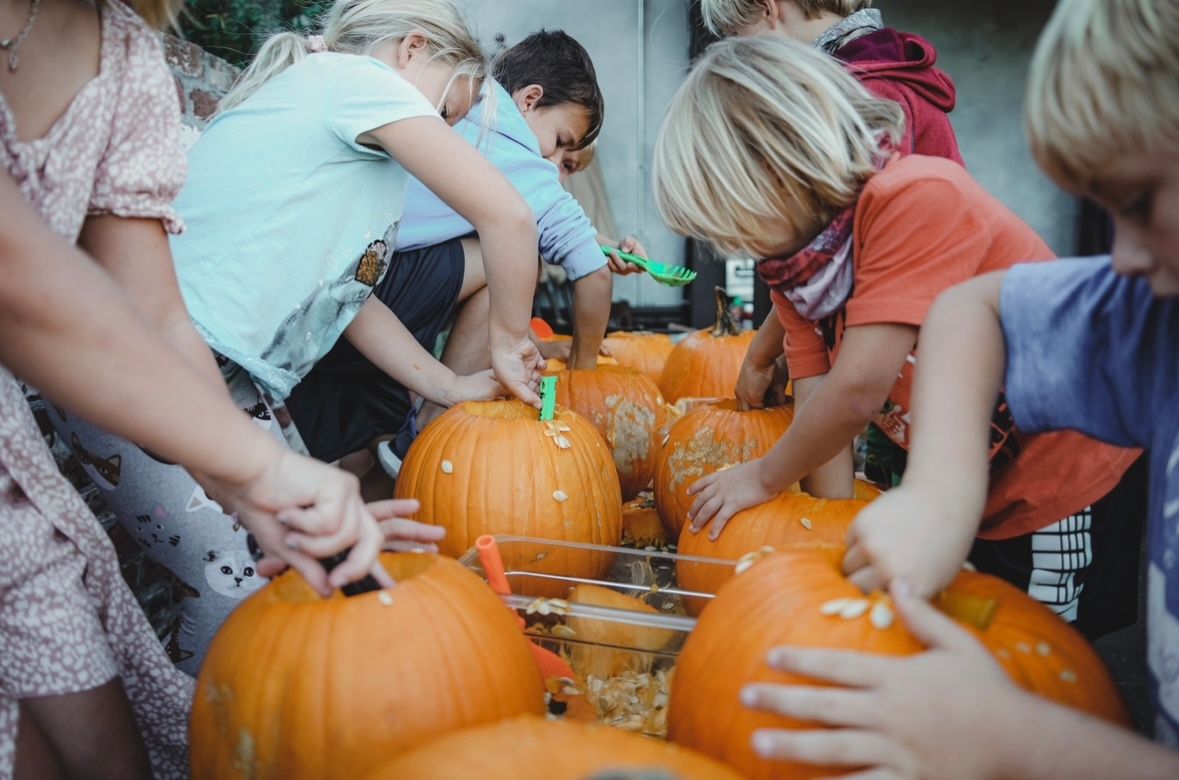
{"x": 923, "y": 225}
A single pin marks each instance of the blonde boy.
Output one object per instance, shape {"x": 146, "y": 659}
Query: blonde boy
{"x": 1087, "y": 344}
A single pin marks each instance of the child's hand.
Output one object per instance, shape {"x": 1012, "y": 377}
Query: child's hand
{"x": 481, "y": 386}
{"x": 721, "y": 495}
{"x": 895, "y": 717}
{"x": 631, "y": 246}
{"x": 300, "y": 510}
{"x": 908, "y": 534}
{"x": 518, "y": 368}
{"x": 555, "y": 350}
{"x": 400, "y": 534}
{"x": 752, "y": 383}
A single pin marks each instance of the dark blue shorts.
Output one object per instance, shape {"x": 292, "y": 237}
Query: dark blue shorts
{"x": 346, "y": 401}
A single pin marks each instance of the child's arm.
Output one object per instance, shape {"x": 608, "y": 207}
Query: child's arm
{"x": 870, "y": 358}
{"x": 837, "y": 477}
{"x": 757, "y": 370}
{"x": 592, "y": 296}
{"x": 468, "y": 183}
{"x": 135, "y": 253}
{"x": 380, "y": 336}
{"x": 948, "y": 712}
{"x": 944, "y": 490}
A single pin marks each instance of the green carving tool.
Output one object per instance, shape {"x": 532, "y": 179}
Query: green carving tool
{"x": 670, "y": 275}
{"x": 548, "y": 398}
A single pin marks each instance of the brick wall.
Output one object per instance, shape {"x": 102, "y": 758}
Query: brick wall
{"x": 201, "y": 79}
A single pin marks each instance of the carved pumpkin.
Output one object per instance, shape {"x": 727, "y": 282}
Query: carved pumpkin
{"x": 625, "y": 407}
{"x": 641, "y": 526}
{"x": 706, "y": 439}
{"x": 533, "y": 749}
{"x": 642, "y": 350}
{"x": 493, "y": 468}
{"x": 801, "y": 598}
{"x": 706, "y": 363}
{"x": 296, "y": 685}
{"x": 787, "y": 522}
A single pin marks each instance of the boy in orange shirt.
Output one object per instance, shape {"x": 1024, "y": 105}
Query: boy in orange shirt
{"x": 856, "y": 243}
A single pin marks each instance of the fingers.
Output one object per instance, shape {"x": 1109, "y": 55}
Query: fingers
{"x": 931, "y": 627}
{"x": 722, "y": 519}
{"x": 525, "y": 393}
{"x": 394, "y": 508}
{"x": 831, "y": 706}
{"x": 856, "y": 557}
{"x": 383, "y": 578}
{"x": 842, "y": 667}
{"x": 363, "y": 556}
{"x": 311, "y": 570}
{"x": 270, "y": 567}
{"x": 398, "y": 529}
{"x": 868, "y": 579}
{"x": 834, "y": 747}
{"x": 702, "y": 514}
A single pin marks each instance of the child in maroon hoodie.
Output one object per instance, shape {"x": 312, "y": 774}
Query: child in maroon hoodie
{"x": 895, "y": 65}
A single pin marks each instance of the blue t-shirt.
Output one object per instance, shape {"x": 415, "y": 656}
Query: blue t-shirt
{"x": 567, "y": 237}
{"x": 1096, "y": 352}
{"x": 288, "y": 215}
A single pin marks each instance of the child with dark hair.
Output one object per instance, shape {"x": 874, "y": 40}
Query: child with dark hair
{"x": 544, "y": 102}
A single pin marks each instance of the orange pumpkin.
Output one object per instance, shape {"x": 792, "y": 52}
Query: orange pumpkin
{"x": 706, "y": 363}
{"x": 625, "y": 407}
{"x": 556, "y": 365}
{"x": 533, "y": 749}
{"x": 296, "y": 685}
{"x": 599, "y": 658}
{"x": 703, "y": 441}
{"x": 641, "y": 526}
{"x": 642, "y": 350}
{"x": 787, "y": 522}
{"x": 493, "y": 468}
{"x": 800, "y": 598}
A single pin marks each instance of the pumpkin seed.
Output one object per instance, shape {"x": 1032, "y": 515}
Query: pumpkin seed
{"x": 558, "y": 606}
{"x": 833, "y": 607}
{"x": 1044, "y": 649}
{"x": 386, "y": 598}
{"x": 533, "y": 606}
{"x": 1068, "y": 675}
{"x": 569, "y": 690}
{"x": 806, "y": 523}
{"x": 564, "y": 632}
{"x": 881, "y": 616}
{"x": 562, "y": 442}
{"x": 1024, "y": 648}
{"x": 560, "y": 496}
{"x": 968, "y": 566}
{"x": 1003, "y": 653}
{"x": 447, "y": 467}
{"x": 854, "y": 609}
{"x": 766, "y": 550}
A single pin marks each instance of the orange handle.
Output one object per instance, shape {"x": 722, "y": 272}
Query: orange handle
{"x": 493, "y": 564}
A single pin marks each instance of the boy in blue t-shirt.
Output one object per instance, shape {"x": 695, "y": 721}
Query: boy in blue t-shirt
{"x": 1090, "y": 345}
{"x": 546, "y": 102}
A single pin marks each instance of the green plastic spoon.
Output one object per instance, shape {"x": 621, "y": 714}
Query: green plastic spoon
{"x": 670, "y": 275}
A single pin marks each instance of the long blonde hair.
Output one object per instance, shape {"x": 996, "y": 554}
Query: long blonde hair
{"x": 765, "y": 131}
{"x": 159, "y": 14}
{"x": 1104, "y": 81}
{"x": 359, "y": 27}
{"x": 724, "y": 17}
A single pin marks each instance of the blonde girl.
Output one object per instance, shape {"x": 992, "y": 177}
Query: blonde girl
{"x": 771, "y": 149}
{"x": 88, "y": 146}
{"x": 292, "y": 203}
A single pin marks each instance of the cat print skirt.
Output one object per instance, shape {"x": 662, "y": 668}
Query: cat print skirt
{"x": 163, "y": 508}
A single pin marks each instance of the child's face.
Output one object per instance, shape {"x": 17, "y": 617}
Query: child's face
{"x": 1141, "y": 192}
{"x": 557, "y": 128}
{"x": 780, "y": 240}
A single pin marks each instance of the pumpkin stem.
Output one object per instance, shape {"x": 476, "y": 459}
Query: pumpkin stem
{"x": 725, "y": 325}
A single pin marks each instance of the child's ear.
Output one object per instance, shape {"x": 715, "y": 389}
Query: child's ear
{"x": 771, "y": 14}
{"x": 411, "y": 47}
{"x": 527, "y": 97}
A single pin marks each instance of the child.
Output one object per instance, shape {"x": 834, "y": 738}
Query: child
{"x": 893, "y": 65}
{"x": 543, "y": 102}
{"x": 1085, "y": 345}
{"x": 85, "y": 688}
{"x": 770, "y": 147}
{"x": 293, "y": 198}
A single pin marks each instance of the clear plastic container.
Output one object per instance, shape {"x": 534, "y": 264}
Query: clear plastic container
{"x": 623, "y": 655}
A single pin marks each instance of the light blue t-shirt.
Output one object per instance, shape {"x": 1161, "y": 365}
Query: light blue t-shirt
{"x": 567, "y": 237}
{"x": 1092, "y": 351}
{"x": 283, "y": 207}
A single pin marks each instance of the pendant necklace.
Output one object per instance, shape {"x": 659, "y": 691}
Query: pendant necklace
{"x": 12, "y": 45}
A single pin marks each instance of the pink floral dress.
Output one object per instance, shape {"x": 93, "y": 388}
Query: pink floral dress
{"x": 68, "y": 622}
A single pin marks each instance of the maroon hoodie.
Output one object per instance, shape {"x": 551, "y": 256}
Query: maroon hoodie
{"x": 900, "y": 67}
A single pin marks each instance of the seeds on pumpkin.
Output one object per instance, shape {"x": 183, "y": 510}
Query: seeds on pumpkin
{"x": 562, "y": 442}
{"x": 854, "y": 609}
{"x": 806, "y": 523}
{"x": 447, "y": 467}
{"x": 1068, "y": 675}
{"x": 881, "y": 616}
{"x": 386, "y": 598}
{"x": 1024, "y": 648}
{"x": 560, "y": 496}
{"x": 833, "y": 607}
{"x": 746, "y": 561}
{"x": 1044, "y": 649}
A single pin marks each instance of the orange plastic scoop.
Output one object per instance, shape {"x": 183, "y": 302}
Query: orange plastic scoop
{"x": 551, "y": 665}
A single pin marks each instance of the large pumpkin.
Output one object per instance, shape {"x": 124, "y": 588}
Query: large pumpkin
{"x": 706, "y": 363}
{"x": 296, "y": 685}
{"x": 801, "y": 598}
{"x": 533, "y": 749}
{"x": 494, "y": 468}
{"x": 642, "y": 350}
{"x": 789, "y": 521}
{"x": 705, "y": 440}
{"x": 625, "y": 407}
{"x": 641, "y": 526}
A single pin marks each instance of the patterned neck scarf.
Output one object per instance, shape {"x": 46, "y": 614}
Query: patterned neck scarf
{"x": 818, "y": 280}
{"x": 859, "y": 24}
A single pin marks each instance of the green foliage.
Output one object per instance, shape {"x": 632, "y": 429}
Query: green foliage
{"x": 233, "y": 29}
